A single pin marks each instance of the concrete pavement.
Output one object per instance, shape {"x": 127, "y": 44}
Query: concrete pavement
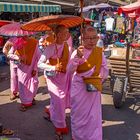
{"x": 119, "y": 124}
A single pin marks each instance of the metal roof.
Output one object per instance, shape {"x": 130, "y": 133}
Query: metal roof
{"x": 19, "y": 7}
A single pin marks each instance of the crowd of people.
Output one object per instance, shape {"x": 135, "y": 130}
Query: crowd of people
{"x": 74, "y": 79}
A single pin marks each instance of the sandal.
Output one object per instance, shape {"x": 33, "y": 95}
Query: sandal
{"x": 24, "y": 108}
{"x": 103, "y": 121}
{"x": 58, "y": 136}
{"x": 47, "y": 117}
{"x": 63, "y": 131}
{"x": 7, "y": 132}
{"x": 34, "y": 102}
{"x": 13, "y": 97}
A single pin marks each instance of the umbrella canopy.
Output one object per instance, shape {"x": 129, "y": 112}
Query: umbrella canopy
{"x": 138, "y": 20}
{"x": 4, "y": 22}
{"x": 88, "y": 20}
{"x": 48, "y": 22}
{"x": 130, "y": 8}
{"x": 101, "y": 5}
{"x": 14, "y": 29}
{"x": 133, "y": 15}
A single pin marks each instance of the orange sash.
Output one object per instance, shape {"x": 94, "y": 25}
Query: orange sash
{"x": 63, "y": 60}
{"x": 27, "y": 51}
{"x": 95, "y": 59}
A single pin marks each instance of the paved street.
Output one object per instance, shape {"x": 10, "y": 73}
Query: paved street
{"x": 119, "y": 124}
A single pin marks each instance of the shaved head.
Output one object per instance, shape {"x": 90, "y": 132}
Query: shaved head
{"x": 89, "y": 37}
{"x": 59, "y": 28}
{"x": 88, "y": 29}
{"x": 61, "y": 33}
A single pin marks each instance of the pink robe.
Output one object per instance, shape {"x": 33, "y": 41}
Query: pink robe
{"x": 56, "y": 86}
{"x": 13, "y": 78}
{"x": 13, "y": 72}
{"x": 27, "y": 84}
{"x": 86, "y": 113}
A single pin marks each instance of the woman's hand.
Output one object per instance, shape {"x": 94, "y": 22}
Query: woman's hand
{"x": 80, "y": 51}
{"x": 58, "y": 67}
{"x": 22, "y": 59}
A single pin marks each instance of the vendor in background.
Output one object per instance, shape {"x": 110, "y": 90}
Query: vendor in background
{"x": 13, "y": 70}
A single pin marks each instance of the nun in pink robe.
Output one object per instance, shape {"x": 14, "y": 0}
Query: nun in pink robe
{"x": 56, "y": 86}
{"x": 13, "y": 69}
{"x": 57, "y": 83}
{"x": 27, "y": 81}
{"x": 86, "y": 113}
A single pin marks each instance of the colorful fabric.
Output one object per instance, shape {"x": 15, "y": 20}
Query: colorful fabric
{"x": 120, "y": 26}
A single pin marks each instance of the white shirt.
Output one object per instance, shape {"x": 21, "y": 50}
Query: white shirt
{"x": 109, "y": 24}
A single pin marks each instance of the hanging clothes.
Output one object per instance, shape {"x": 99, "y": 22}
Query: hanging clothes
{"x": 120, "y": 25}
{"x": 94, "y": 15}
{"x": 109, "y": 24}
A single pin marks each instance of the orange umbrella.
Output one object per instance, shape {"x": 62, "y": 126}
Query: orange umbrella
{"x": 48, "y": 22}
{"x": 88, "y": 20}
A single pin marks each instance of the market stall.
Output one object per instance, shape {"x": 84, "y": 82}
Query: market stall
{"x": 26, "y": 12}
{"x": 125, "y": 71}
{"x": 133, "y": 7}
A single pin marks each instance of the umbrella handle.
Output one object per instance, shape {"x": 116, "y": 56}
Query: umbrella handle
{"x": 57, "y": 54}
{"x": 81, "y": 6}
{"x": 58, "y": 61}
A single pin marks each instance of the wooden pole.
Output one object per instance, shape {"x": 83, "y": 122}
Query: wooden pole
{"x": 128, "y": 65}
{"x": 81, "y": 14}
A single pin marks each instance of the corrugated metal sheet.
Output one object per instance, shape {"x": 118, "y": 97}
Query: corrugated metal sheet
{"x": 117, "y": 2}
{"x": 18, "y": 7}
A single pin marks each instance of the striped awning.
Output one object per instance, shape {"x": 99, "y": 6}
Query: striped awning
{"x": 18, "y": 7}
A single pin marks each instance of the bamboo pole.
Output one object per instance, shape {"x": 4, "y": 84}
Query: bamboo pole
{"x": 81, "y": 14}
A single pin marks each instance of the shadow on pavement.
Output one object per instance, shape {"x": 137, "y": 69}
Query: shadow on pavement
{"x": 43, "y": 90}
{"x": 123, "y": 123}
{"x": 29, "y": 125}
{"x": 4, "y": 77}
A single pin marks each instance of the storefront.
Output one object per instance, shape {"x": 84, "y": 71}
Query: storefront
{"x": 11, "y": 11}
